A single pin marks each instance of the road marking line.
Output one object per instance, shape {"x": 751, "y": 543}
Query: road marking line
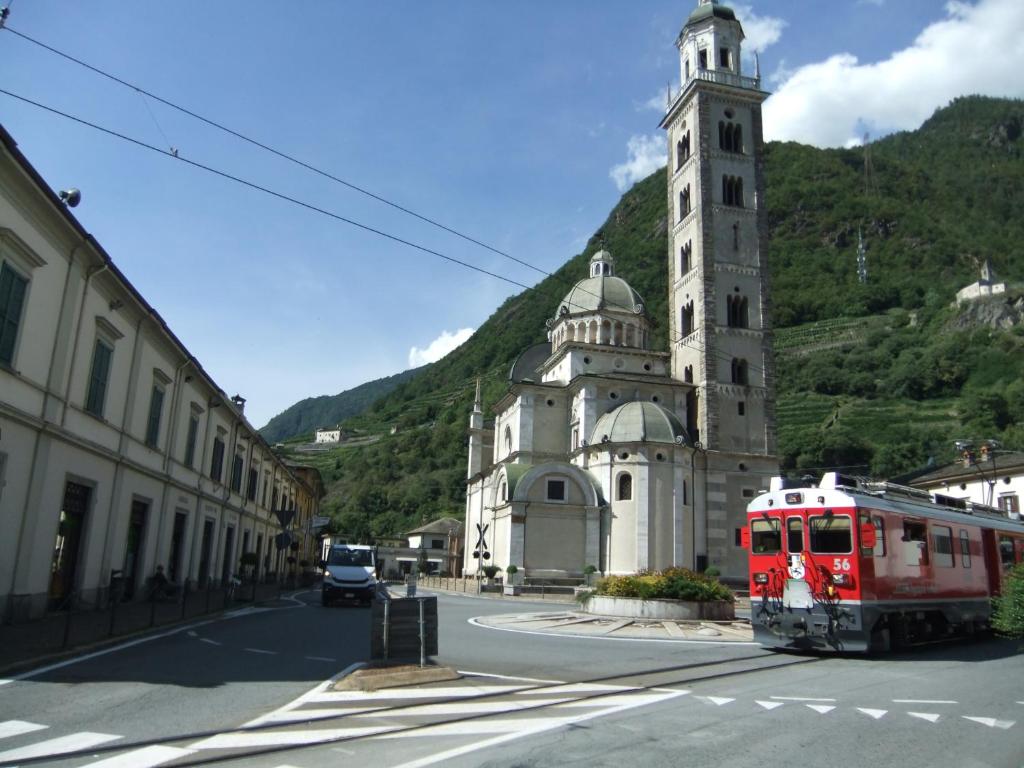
{"x": 577, "y": 688}
{"x": 469, "y": 707}
{"x": 147, "y": 757}
{"x": 321, "y": 658}
{"x": 769, "y": 705}
{"x": 929, "y": 716}
{"x": 607, "y": 639}
{"x": 821, "y": 709}
{"x": 878, "y": 714}
{"x": 798, "y": 698}
{"x": 209, "y": 641}
{"x": 260, "y": 650}
{"x": 528, "y": 679}
{"x": 991, "y": 722}
{"x": 298, "y": 715}
{"x": 287, "y": 738}
{"x": 718, "y": 701}
{"x": 18, "y": 727}
{"x": 411, "y": 693}
{"x": 60, "y": 745}
{"x": 545, "y": 724}
{"x": 923, "y": 701}
{"x": 479, "y": 727}
{"x": 192, "y": 633}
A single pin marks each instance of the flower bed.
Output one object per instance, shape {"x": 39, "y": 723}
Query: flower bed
{"x": 675, "y": 593}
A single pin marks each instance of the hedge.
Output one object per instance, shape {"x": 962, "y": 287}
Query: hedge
{"x": 670, "y": 584}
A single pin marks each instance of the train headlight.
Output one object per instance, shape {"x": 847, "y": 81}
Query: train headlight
{"x": 842, "y": 580}
{"x": 760, "y": 578}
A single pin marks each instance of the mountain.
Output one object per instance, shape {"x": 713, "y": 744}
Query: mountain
{"x": 326, "y": 410}
{"x": 873, "y": 377}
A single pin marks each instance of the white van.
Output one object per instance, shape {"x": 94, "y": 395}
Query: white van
{"x": 349, "y": 574}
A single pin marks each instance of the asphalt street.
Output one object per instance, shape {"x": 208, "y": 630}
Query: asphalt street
{"x": 525, "y": 699}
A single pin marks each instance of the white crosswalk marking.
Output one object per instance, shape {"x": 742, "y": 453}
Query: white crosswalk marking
{"x": 58, "y": 746}
{"x": 146, "y": 757}
{"x": 287, "y": 738}
{"x": 991, "y": 722}
{"x": 336, "y": 697}
{"x": 466, "y": 708}
{"x": 878, "y": 714}
{"x": 18, "y": 727}
{"x": 931, "y": 717}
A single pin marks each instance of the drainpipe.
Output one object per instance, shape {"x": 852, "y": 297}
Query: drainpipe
{"x": 56, "y": 336}
{"x": 90, "y": 272}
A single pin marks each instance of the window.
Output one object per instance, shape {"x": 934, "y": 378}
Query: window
{"x": 732, "y": 191}
{"x": 684, "y": 202}
{"x": 236, "y": 473}
{"x": 795, "y": 535}
{"x": 739, "y": 371}
{"x": 625, "y": 487}
{"x": 503, "y": 495}
{"x": 879, "y": 549}
{"x": 686, "y": 319}
{"x": 556, "y": 490}
{"x": 217, "y": 459}
{"x": 1009, "y": 503}
{"x": 254, "y": 480}
{"x": 741, "y": 408}
{"x": 682, "y": 150}
{"x": 702, "y": 58}
{"x": 737, "y": 311}
{"x": 12, "y": 298}
{"x": 688, "y": 374}
{"x": 508, "y": 440}
{"x": 965, "y": 549}
{"x": 831, "y": 534}
{"x": 190, "y": 440}
{"x": 915, "y": 543}
{"x": 437, "y": 543}
{"x": 942, "y": 544}
{"x": 1006, "y": 551}
{"x": 730, "y": 137}
{"x": 98, "y": 377}
{"x": 686, "y": 66}
{"x": 156, "y": 407}
{"x": 685, "y": 254}
{"x": 723, "y": 58}
{"x": 765, "y": 537}
{"x": 266, "y": 482}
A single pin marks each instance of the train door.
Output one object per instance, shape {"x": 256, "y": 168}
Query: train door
{"x": 795, "y": 545}
{"x": 990, "y": 554}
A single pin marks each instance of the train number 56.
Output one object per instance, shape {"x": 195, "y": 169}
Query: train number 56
{"x": 841, "y": 564}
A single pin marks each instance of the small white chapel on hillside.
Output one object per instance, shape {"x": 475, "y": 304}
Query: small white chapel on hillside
{"x": 607, "y": 453}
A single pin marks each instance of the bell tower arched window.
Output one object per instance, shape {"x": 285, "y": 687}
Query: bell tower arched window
{"x": 739, "y": 372}
{"x": 732, "y": 191}
{"x": 685, "y": 255}
{"x": 686, "y": 319}
{"x": 736, "y": 311}
{"x": 624, "y": 491}
{"x": 730, "y": 137}
{"x": 684, "y": 202}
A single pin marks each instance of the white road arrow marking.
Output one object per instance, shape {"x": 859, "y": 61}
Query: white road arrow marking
{"x": 71, "y": 743}
{"x": 18, "y": 727}
{"x": 719, "y": 700}
{"x": 770, "y": 704}
{"x": 991, "y": 722}
{"x": 931, "y": 717}
{"x": 875, "y": 713}
{"x": 823, "y": 709}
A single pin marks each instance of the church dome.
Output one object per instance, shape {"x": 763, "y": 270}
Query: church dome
{"x": 709, "y": 9}
{"x": 601, "y": 291}
{"x": 640, "y": 421}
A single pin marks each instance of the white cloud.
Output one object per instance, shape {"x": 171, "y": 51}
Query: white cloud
{"x": 975, "y": 49}
{"x": 646, "y": 155}
{"x": 657, "y": 103}
{"x": 438, "y": 348}
{"x": 759, "y": 31}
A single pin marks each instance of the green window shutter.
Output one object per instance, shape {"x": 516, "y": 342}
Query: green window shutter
{"x": 156, "y": 406}
{"x": 190, "y": 441}
{"x": 12, "y": 297}
{"x": 98, "y": 378}
{"x": 217, "y": 462}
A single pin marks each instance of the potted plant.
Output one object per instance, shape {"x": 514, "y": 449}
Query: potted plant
{"x": 248, "y": 561}
{"x": 490, "y": 571}
{"x": 588, "y": 575}
{"x": 512, "y": 586}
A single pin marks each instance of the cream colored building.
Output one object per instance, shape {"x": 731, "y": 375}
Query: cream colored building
{"x": 118, "y": 452}
{"x": 609, "y": 454}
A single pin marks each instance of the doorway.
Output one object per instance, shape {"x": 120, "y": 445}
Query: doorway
{"x": 67, "y": 549}
{"x": 133, "y": 547}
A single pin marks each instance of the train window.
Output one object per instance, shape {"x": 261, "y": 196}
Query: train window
{"x": 831, "y": 534}
{"x": 1006, "y": 551}
{"x": 765, "y": 536}
{"x": 942, "y": 544}
{"x": 879, "y": 536}
{"x": 795, "y": 535}
{"x": 965, "y": 549}
{"x": 915, "y": 543}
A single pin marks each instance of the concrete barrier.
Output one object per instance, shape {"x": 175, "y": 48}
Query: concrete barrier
{"x": 665, "y": 610}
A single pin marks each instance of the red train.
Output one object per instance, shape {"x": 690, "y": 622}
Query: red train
{"x": 854, "y": 566}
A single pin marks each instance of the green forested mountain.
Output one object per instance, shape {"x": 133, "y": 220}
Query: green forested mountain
{"x": 306, "y": 415}
{"x": 875, "y": 377}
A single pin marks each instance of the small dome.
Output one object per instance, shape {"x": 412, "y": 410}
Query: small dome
{"x": 638, "y": 422}
{"x": 602, "y": 255}
{"x": 709, "y": 8}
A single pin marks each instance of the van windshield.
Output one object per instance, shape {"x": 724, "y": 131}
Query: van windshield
{"x": 363, "y": 557}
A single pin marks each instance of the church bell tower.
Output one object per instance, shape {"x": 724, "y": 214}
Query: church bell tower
{"x": 717, "y": 234}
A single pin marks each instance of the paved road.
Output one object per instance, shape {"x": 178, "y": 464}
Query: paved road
{"x": 526, "y": 700}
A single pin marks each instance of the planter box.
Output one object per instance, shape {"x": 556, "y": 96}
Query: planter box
{"x": 666, "y": 610}
{"x": 513, "y": 589}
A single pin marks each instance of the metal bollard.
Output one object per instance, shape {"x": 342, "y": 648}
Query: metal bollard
{"x": 387, "y": 625}
{"x": 423, "y": 637}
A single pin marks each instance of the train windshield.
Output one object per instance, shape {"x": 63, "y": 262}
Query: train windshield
{"x": 765, "y": 536}
{"x": 831, "y": 534}
{"x": 795, "y": 535}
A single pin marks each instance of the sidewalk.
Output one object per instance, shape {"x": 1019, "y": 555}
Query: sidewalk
{"x": 63, "y": 634}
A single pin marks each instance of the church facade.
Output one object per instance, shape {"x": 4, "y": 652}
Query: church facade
{"x": 609, "y": 454}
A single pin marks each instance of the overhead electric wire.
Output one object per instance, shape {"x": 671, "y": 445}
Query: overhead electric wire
{"x": 290, "y": 158}
{"x": 265, "y": 190}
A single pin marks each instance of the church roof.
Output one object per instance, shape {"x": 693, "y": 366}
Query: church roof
{"x": 596, "y": 293}
{"x": 640, "y": 421}
{"x": 710, "y": 9}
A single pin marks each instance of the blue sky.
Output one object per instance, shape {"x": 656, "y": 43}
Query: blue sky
{"x": 519, "y": 123}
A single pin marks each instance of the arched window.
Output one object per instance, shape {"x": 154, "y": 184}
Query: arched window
{"x": 739, "y": 372}
{"x": 730, "y": 137}
{"x": 504, "y": 492}
{"x": 685, "y": 252}
{"x": 688, "y": 374}
{"x": 508, "y": 440}
{"x": 684, "y": 202}
{"x": 732, "y": 191}
{"x": 686, "y": 319}
{"x": 680, "y": 157}
{"x": 625, "y": 487}
{"x": 736, "y": 311}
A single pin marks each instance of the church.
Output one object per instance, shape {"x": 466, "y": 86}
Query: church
{"x": 605, "y": 454}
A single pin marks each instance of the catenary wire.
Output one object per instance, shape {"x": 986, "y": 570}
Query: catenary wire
{"x": 693, "y": 344}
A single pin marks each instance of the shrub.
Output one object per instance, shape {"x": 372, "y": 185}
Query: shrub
{"x": 712, "y": 573}
{"x": 1008, "y": 617}
{"x": 490, "y": 571}
{"x": 511, "y": 570}
{"x": 590, "y": 569}
{"x": 670, "y": 584}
